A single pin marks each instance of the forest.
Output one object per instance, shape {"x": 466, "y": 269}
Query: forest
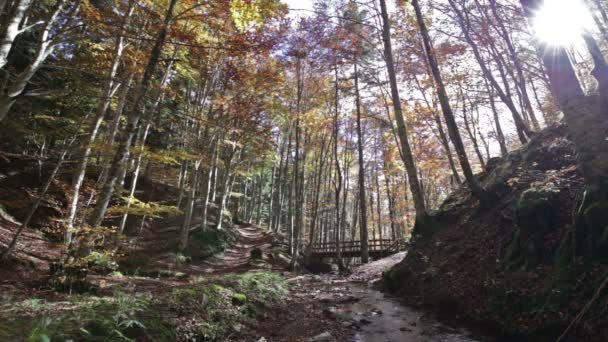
{"x": 303, "y": 170}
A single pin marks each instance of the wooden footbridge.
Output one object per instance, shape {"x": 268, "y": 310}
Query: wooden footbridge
{"x": 377, "y": 248}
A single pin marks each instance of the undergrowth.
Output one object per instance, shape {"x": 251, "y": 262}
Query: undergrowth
{"x": 205, "y": 310}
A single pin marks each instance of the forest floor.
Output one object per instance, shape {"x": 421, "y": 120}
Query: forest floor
{"x": 314, "y": 307}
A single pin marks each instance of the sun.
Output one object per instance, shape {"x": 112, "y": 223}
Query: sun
{"x": 562, "y": 22}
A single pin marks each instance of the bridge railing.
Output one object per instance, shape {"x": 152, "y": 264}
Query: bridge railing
{"x": 376, "y": 245}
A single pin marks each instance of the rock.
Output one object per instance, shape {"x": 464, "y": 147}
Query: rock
{"x": 324, "y": 337}
{"x": 364, "y": 321}
{"x": 239, "y": 299}
{"x": 262, "y": 339}
{"x": 405, "y": 329}
{"x": 181, "y": 275}
{"x": 377, "y": 312}
{"x": 330, "y": 313}
{"x": 349, "y": 299}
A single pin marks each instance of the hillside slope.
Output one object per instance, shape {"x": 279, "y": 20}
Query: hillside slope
{"x": 508, "y": 264}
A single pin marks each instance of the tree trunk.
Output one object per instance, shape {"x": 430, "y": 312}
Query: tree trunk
{"x": 585, "y": 116}
{"x": 102, "y": 108}
{"x": 133, "y": 121}
{"x": 474, "y": 185}
{"x": 185, "y": 231}
{"x": 408, "y": 157}
{"x": 11, "y": 28}
{"x": 338, "y": 181}
{"x": 28, "y": 217}
{"x": 361, "y": 178}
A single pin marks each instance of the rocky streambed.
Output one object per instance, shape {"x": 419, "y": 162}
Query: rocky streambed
{"x": 368, "y": 315}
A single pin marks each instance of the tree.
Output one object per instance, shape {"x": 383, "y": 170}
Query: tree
{"x": 472, "y": 182}
{"x": 584, "y": 114}
{"x": 406, "y": 150}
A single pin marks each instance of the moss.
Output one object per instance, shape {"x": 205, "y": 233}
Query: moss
{"x": 188, "y": 295}
{"x": 534, "y": 209}
{"x": 239, "y": 299}
{"x": 534, "y": 213}
{"x": 181, "y": 259}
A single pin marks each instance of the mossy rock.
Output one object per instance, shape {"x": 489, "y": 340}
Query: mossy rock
{"x": 535, "y": 209}
{"x": 534, "y": 215}
{"x": 239, "y": 299}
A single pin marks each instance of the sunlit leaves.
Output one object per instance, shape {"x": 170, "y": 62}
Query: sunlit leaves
{"x": 248, "y": 14}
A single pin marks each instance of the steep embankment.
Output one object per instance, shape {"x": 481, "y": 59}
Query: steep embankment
{"x": 509, "y": 264}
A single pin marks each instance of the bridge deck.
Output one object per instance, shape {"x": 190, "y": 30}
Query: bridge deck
{"x": 377, "y": 248}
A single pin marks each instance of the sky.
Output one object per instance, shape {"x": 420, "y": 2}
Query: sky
{"x": 299, "y": 4}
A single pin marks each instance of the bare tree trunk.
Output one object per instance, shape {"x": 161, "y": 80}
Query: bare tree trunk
{"x": 226, "y": 186}
{"x": 135, "y": 176}
{"x": 28, "y": 217}
{"x": 378, "y": 203}
{"x": 185, "y": 231}
{"x": 520, "y": 80}
{"x": 208, "y": 189}
{"x": 522, "y": 129}
{"x": 133, "y": 120}
{"x": 410, "y": 165}
{"x": 361, "y": 178}
{"x": 474, "y": 185}
{"x": 585, "y": 116}
{"x": 470, "y": 130}
{"x": 391, "y": 199}
{"x": 315, "y": 203}
{"x": 44, "y": 47}
{"x": 338, "y": 181}
{"x": 12, "y": 29}
{"x": 183, "y": 173}
{"x": 102, "y": 108}
{"x": 499, "y": 134}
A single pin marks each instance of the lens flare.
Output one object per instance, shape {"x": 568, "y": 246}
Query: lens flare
{"x": 562, "y": 22}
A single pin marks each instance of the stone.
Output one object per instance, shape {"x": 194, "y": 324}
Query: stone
{"x": 239, "y": 299}
{"x": 330, "y": 312}
{"x": 324, "y": 337}
{"x": 364, "y": 321}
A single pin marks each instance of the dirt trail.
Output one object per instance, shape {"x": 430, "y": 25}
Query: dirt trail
{"x": 236, "y": 258}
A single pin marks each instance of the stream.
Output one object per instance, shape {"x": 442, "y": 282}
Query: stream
{"x": 384, "y": 319}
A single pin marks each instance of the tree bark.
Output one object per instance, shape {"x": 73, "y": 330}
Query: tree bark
{"x": 11, "y": 28}
{"x": 448, "y": 114}
{"x": 408, "y": 157}
{"x": 361, "y": 178}
{"x": 584, "y": 115}
{"x": 133, "y": 120}
{"x": 102, "y": 108}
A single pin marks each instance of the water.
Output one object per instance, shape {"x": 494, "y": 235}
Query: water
{"x": 385, "y": 319}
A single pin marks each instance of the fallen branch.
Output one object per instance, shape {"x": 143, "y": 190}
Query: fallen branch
{"x": 586, "y": 308}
